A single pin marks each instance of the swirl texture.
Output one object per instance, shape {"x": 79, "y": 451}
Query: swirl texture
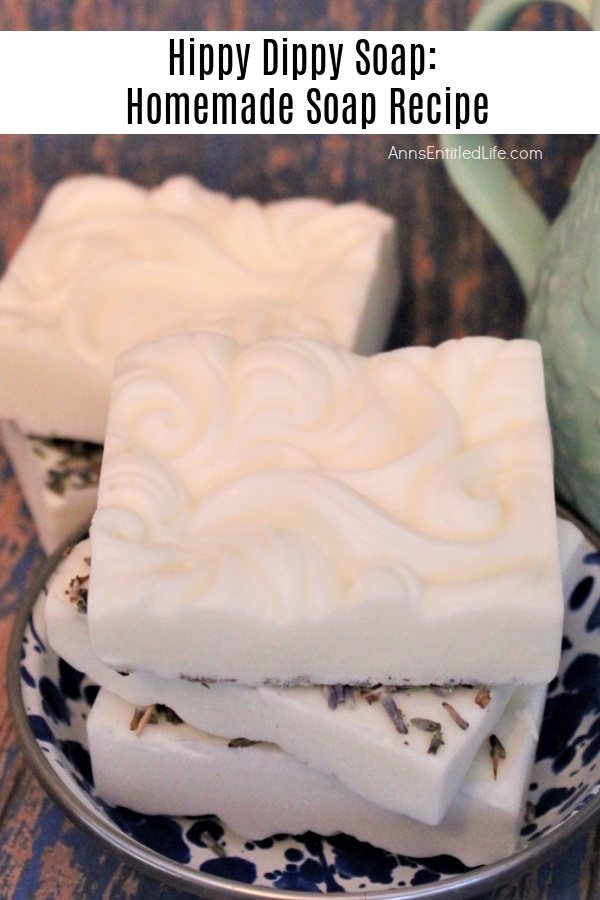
{"x": 296, "y": 479}
{"x": 108, "y": 265}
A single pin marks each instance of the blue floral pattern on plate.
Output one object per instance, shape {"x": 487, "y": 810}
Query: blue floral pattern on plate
{"x": 564, "y": 781}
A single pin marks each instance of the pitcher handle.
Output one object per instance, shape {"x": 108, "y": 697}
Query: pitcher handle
{"x": 488, "y": 185}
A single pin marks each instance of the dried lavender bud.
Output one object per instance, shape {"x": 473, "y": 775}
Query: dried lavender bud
{"x": 335, "y": 695}
{"x": 77, "y": 592}
{"x": 437, "y": 741}
{"x": 372, "y": 695}
{"x": 136, "y": 718}
{"x": 483, "y": 697}
{"x": 206, "y": 682}
{"x": 78, "y": 464}
{"x": 394, "y": 712}
{"x": 497, "y": 752}
{"x": 442, "y": 690}
{"x": 56, "y": 481}
{"x": 426, "y": 724}
{"x": 141, "y": 718}
{"x": 529, "y": 812}
{"x": 241, "y": 742}
{"x": 169, "y": 714}
{"x": 209, "y": 842}
{"x": 455, "y": 716}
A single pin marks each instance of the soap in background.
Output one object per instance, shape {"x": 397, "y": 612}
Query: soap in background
{"x": 455, "y": 281}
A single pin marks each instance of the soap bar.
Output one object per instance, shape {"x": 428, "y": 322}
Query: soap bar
{"x": 59, "y": 480}
{"x": 294, "y": 513}
{"x": 107, "y": 265}
{"x": 353, "y": 738}
{"x": 260, "y": 790}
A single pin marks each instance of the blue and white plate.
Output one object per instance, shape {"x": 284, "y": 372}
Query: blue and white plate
{"x": 51, "y": 701}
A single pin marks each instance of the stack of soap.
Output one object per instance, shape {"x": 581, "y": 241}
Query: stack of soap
{"x": 259, "y": 790}
{"x": 292, "y": 513}
{"x": 108, "y": 265}
{"x": 342, "y": 737}
{"x": 300, "y": 546}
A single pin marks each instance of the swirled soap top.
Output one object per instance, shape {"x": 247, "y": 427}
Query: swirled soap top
{"x": 294, "y": 513}
{"x": 107, "y": 265}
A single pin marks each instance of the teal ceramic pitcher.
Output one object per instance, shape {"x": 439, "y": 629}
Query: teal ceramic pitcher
{"x": 558, "y": 266}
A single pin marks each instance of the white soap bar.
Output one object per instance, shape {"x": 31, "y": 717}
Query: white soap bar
{"x": 59, "y": 480}
{"x": 292, "y": 513}
{"x": 260, "y": 790}
{"x": 107, "y": 265}
{"x": 345, "y": 741}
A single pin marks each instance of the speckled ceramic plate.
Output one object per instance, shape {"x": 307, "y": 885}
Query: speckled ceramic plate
{"x": 51, "y": 701}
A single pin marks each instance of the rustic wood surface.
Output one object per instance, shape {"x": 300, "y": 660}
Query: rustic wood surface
{"x": 455, "y": 282}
